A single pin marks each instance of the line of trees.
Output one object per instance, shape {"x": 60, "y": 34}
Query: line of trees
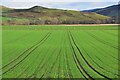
{"x": 56, "y": 21}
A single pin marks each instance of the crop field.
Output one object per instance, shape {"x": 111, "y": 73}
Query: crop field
{"x": 60, "y": 52}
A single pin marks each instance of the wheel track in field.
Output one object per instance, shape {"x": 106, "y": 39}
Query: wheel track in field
{"x": 42, "y": 60}
{"x": 22, "y": 54}
{"x": 102, "y": 54}
{"x": 86, "y": 60}
{"x": 46, "y": 61}
{"x": 102, "y": 41}
{"x": 99, "y": 65}
{"x": 101, "y": 61}
{"x": 76, "y": 60}
{"x": 34, "y": 47}
{"x": 104, "y": 51}
{"x": 29, "y": 66}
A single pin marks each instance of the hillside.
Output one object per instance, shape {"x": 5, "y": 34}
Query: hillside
{"x": 5, "y": 9}
{"x": 111, "y": 11}
{"x": 43, "y": 15}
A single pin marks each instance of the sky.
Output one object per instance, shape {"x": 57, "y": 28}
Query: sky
{"x": 59, "y": 4}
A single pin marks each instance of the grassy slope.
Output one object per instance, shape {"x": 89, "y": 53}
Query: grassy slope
{"x": 5, "y": 9}
{"x": 9, "y": 18}
{"x": 22, "y": 21}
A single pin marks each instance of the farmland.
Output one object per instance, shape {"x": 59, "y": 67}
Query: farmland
{"x": 60, "y": 51}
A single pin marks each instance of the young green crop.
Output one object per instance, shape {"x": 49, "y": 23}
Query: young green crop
{"x": 60, "y": 51}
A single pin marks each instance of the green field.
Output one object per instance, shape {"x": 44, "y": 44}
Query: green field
{"x": 60, "y": 52}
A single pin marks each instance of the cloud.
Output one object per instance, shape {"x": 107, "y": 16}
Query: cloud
{"x": 60, "y": 5}
{"x": 60, "y": 1}
{"x": 29, "y": 4}
{"x": 40, "y": 1}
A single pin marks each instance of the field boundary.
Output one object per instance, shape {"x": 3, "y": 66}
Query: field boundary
{"x": 87, "y": 25}
{"x": 68, "y": 25}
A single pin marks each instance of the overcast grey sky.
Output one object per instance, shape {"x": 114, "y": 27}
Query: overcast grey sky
{"x": 61, "y": 4}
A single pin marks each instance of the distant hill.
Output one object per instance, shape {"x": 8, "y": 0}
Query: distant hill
{"x": 43, "y": 15}
{"x": 92, "y": 10}
{"x": 111, "y": 11}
